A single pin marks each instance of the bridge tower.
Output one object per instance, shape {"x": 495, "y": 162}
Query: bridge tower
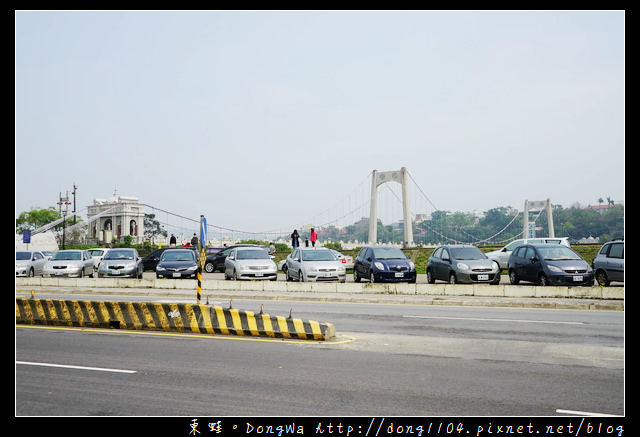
{"x": 538, "y": 205}
{"x": 379, "y": 178}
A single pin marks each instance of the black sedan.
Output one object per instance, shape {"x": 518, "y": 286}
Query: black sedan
{"x": 177, "y": 263}
{"x": 150, "y": 261}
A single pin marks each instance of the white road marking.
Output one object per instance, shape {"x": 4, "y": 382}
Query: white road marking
{"x": 493, "y": 320}
{"x": 101, "y": 369}
{"x": 585, "y": 413}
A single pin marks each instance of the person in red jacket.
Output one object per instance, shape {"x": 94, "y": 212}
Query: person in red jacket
{"x": 314, "y": 237}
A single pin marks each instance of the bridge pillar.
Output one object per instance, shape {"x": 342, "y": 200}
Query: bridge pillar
{"x": 379, "y": 178}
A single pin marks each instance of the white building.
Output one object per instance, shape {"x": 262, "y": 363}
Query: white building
{"x": 115, "y": 218}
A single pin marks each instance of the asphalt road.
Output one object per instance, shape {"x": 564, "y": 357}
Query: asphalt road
{"x": 408, "y": 360}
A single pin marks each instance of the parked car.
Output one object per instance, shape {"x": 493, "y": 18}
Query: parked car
{"x": 608, "y": 264}
{"x": 314, "y": 264}
{"x": 97, "y": 254}
{"x": 346, "y": 259}
{"x": 69, "y": 263}
{"x": 462, "y": 264}
{"x": 150, "y": 261}
{"x": 250, "y": 263}
{"x": 30, "y": 263}
{"x": 501, "y": 256}
{"x": 47, "y": 253}
{"x": 549, "y": 264}
{"x": 121, "y": 263}
{"x": 383, "y": 264}
{"x": 215, "y": 261}
{"x": 177, "y": 263}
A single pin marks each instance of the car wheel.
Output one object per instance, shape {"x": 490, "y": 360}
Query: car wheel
{"x": 208, "y": 267}
{"x": 287, "y": 277}
{"x": 356, "y": 277}
{"x": 81, "y": 275}
{"x": 430, "y": 278}
{"x": 452, "y": 278}
{"x": 31, "y": 273}
{"x": 513, "y": 278}
{"x": 372, "y": 277}
{"x": 284, "y": 269}
{"x": 234, "y": 276}
{"x": 300, "y": 277}
{"x": 601, "y": 278}
{"x": 543, "y": 280}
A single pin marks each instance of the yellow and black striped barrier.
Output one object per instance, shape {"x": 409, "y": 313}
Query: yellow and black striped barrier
{"x": 201, "y": 319}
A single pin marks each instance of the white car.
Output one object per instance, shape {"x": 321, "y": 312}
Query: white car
{"x": 346, "y": 259}
{"x": 30, "y": 263}
{"x": 97, "y": 254}
{"x": 501, "y": 256}
{"x": 252, "y": 263}
{"x": 314, "y": 264}
{"x": 69, "y": 263}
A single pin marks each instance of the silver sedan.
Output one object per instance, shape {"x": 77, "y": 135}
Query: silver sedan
{"x": 252, "y": 263}
{"x": 121, "y": 263}
{"x": 314, "y": 264}
{"x": 69, "y": 263}
{"x": 29, "y": 263}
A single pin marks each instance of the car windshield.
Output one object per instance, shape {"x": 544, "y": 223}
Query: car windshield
{"x": 467, "y": 253}
{"x": 252, "y": 254}
{"x": 23, "y": 256}
{"x": 557, "y": 253}
{"x": 66, "y": 256}
{"x": 119, "y": 254}
{"x": 182, "y": 255}
{"x": 388, "y": 253}
{"x": 318, "y": 255}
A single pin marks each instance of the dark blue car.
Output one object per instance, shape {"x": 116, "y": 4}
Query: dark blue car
{"x": 383, "y": 264}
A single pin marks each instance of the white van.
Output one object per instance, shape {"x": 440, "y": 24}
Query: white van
{"x": 502, "y": 256}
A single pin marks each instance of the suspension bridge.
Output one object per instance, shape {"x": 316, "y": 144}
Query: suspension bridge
{"x": 385, "y": 207}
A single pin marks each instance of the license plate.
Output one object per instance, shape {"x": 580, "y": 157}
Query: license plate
{"x": 258, "y": 274}
{"x": 577, "y": 279}
{"x": 176, "y": 275}
{"x": 483, "y": 277}
{"x": 115, "y": 272}
{"x": 399, "y": 275}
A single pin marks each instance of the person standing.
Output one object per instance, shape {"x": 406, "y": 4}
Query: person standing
{"x": 314, "y": 237}
{"x": 172, "y": 240}
{"x": 295, "y": 239}
{"x": 194, "y": 241}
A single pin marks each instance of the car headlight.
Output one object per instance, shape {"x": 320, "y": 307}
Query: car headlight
{"x": 463, "y": 266}
{"x": 342, "y": 269}
{"x": 311, "y": 269}
{"x": 192, "y": 268}
{"x": 159, "y": 268}
{"x": 554, "y": 269}
{"x": 21, "y": 266}
{"x": 412, "y": 265}
{"x": 379, "y": 265}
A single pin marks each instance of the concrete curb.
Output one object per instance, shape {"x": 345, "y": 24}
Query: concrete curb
{"x": 478, "y": 290}
{"x": 194, "y": 318}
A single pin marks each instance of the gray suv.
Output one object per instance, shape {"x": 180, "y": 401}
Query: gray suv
{"x": 608, "y": 264}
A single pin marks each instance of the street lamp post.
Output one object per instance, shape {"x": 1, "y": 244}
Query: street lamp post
{"x": 64, "y": 201}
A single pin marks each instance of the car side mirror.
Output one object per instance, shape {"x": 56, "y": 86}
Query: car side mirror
{"x": 534, "y": 259}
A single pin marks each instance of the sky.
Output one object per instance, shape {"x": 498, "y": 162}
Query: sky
{"x": 262, "y": 119}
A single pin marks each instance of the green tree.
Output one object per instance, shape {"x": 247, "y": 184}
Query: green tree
{"x": 152, "y": 227}
{"x": 36, "y": 218}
